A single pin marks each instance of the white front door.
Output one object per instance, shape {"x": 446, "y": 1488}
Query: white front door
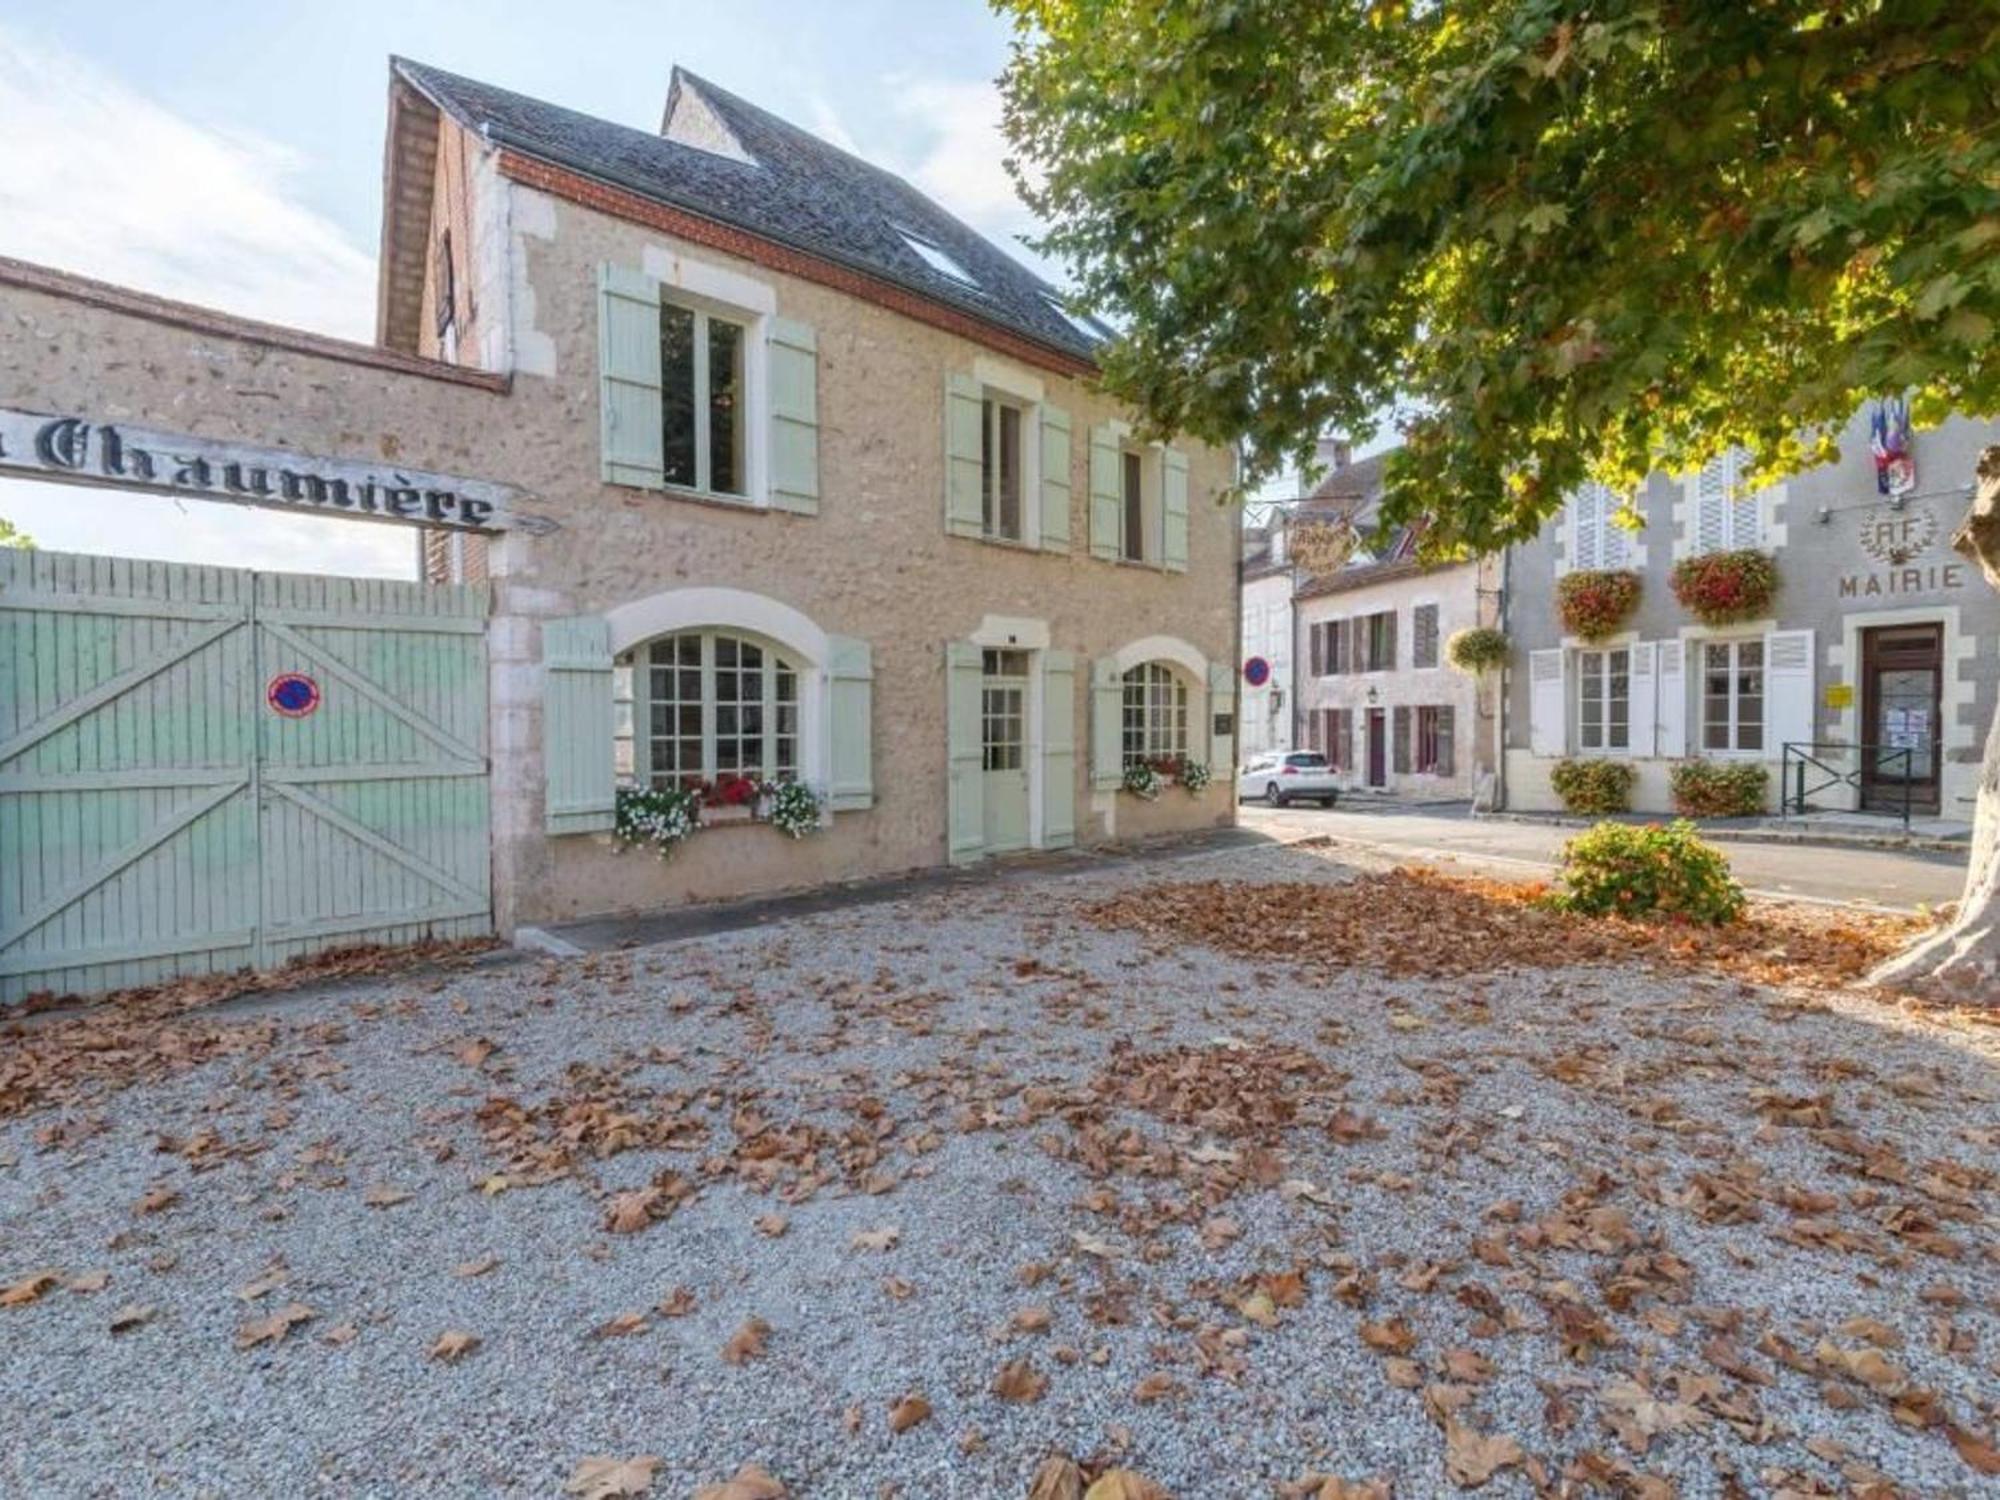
{"x": 1003, "y": 736}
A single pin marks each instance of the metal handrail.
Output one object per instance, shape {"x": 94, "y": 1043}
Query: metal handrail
{"x": 1799, "y": 757}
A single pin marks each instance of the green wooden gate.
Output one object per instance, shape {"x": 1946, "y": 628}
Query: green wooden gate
{"x": 161, "y": 816}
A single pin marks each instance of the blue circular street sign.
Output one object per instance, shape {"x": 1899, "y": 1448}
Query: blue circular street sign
{"x": 292, "y": 694}
{"x": 1256, "y": 671}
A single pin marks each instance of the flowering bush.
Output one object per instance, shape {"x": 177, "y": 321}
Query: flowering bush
{"x": 1723, "y": 587}
{"x": 1143, "y": 780}
{"x": 793, "y": 807}
{"x": 1720, "y": 788}
{"x": 660, "y": 816}
{"x": 1594, "y": 604}
{"x": 1473, "y": 651}
{"x": 1194, "y": 776}
{"x": 1594, "y": 786}
{"x": 731, "y": 791}
{"x": 1616, "y": 869}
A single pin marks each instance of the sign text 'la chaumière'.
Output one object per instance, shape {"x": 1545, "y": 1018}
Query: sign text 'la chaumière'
{"x": 71, "y": 448}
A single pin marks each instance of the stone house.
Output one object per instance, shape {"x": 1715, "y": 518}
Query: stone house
{"x": 1267, "y": 687}
{"x": 1878, "y": 658}
{"x": 1374, "y": 691}
{"x": 803, "y": 481}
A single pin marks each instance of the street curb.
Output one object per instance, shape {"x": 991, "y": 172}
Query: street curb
{"x": 1918, "y": 843}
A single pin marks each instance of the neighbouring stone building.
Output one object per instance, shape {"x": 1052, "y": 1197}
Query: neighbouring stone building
{"x": 1268, "y": 684}
{"x": 1878, "y": 657}
{"x": 802, "y": 480}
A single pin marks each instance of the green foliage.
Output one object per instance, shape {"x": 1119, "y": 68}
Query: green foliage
{"x": 1720, "y": 788}
{"x": 1596, "y": 604}
{"x": 657, "y": 816}
{"x": 1720, "y": 588}
{"x": 12, "y": 536}
{"x": 1555, "y": 241}
{"x": 1476, "y": 650}
{"x": 792, "y": 807}
{"x": 1619, "y": 870}
{"x": 1594, "y": 786}
{"x": 1142, "y": 781}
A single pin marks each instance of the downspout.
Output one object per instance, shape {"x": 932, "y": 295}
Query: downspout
{"x": 1500, "y": 714}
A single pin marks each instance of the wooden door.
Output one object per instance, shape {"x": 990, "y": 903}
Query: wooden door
{"x": 1378, "y": 748}
{"x": 1902, "y": 704}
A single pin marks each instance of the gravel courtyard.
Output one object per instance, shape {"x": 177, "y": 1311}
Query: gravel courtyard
{"x": 926, "y": 1198}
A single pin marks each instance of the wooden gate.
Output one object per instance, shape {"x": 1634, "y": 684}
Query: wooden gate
{"x": 204, "y": 768}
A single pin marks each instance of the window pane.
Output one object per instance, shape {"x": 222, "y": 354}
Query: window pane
{"x": 1010, "y": 471}
{"x": 674, "y": 709}
{"x": 1135, "y": 510}
{"x": 725, "y": 407}
{"x": 677, "y": 392}
{"x": 989, "y": 463}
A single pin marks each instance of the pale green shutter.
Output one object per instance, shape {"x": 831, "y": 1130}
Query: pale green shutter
{"x": 850, "y": 692}
{"x": 964, "y": 674}
{"x": 794, "y": 375}
{"x": 1107, "y": 724}
{"x": 576, "y": 725}
{"x": 1105, "y": 502}
{"x": 1055, "y": 479}
{"x": 1174, "y": 506}
{"x": 964, "y": 412}
{"x": 1221, "y": 704}
{"x": 628, "y": 355}
{"x": 1058, "y": 749}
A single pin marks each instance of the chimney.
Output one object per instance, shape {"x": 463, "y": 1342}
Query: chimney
{"x": 1334, "y": 452}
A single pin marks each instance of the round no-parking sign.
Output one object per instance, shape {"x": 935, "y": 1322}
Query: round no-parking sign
{"x": 1256, "y": 671}
{"x": 292, "y": 694}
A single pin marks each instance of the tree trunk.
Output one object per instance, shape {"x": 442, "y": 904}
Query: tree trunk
{"x": 1963, "y": 960}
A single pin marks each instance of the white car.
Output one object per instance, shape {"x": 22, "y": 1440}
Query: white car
{"x": 1289, "y": 776}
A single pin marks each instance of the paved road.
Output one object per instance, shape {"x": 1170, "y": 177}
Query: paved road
{"x": 1871, "y": 877}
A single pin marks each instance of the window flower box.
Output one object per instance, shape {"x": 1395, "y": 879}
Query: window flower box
{"x": 1723, "y": 588}
{"x": 1594, "y": 605}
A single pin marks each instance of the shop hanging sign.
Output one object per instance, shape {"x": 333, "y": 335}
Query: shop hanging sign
{"x": 74, "y": 449}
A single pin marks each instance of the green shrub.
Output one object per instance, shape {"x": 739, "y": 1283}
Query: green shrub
{"x": 1474, "y": 651}
{"x": 1619, "y": 869}
{"x": 1594, "y": 786}
{"x": 1720, "y": 788}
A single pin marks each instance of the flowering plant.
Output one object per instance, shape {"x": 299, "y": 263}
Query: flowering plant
{"x": 1194, "y": 776}
{"x": 1594, "y": 604}
{"x": 1473, "y": 651}
{"x": 660, "y": 816}
{"x": 1722, "y": 587}
{"x": 1142, "y": 779}
{"x": 731, "y": 791}
{"x": 794, "y": 807}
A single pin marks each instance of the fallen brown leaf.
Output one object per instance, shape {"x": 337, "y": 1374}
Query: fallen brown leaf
{"x": 1056, "y": 1478}
{"x": 611, "y": 1478}
{"x": 909, "y": 1411}
{"x": 132, "y": 1315}
{"x": 453, "y": 1345}
{"x": 1019, "y": 1380}
{"x": 29, "y": 1288}
{"x": 876, "y": 1239}
{"x": 747, "y": 1343}
{"x": 272, "y": 1330}
{"x": 1471, "y": 1458}
{"x": 751, "y": 1482}
{"x": 1123, "y": 1484}
{"x": 465, "y": 1270}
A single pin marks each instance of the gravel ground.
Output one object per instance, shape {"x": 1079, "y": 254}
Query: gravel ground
{"x": 1667, "y": 1233}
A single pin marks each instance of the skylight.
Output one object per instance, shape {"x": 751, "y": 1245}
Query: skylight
{"x": 1088, "y": 327}
{"x": 937, "y": 260}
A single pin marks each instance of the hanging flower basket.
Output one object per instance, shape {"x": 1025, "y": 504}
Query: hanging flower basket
{"x": 1722, "y": 588}
{"x": 1476, "y": 650}
{"x": 1594, "y": 605}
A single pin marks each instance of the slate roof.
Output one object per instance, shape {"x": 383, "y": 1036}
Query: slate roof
{"x": 800, "y": 192}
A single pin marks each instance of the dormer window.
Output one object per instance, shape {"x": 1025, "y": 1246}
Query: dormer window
{"x": 937, "y": 259}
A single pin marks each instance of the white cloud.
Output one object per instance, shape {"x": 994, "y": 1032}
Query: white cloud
{"x": 98, "y": 179}
{"x": 963, "y": 162}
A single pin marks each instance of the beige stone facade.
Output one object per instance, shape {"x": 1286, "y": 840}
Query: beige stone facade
{"x": 875, "y": 563}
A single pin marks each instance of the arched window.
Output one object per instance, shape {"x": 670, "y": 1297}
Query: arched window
{"x": 707, "y": 706}
{"x": 1156, "y": 713}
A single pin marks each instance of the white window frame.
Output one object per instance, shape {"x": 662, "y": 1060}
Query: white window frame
{"x": 633, "y": 702}
{"x": 1165, "y": 701}
{"x": 738, "y": 298}
{"x": 1602, "y": 674}
{"x": 1735, "y": 749}
{"x": 992, "y": 426}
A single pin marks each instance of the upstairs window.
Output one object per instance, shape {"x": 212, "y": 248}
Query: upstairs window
{"x": 701, "y": 390}
{"x": 1597, "y": 541}
{"x": 1381, "y": 641}
{"x": 1001, "y": 425}
{"x": 1424, "y": 636}
{"x": 1156, "y": 713}
{"x": 1728, "y": 515}
{"x": 1132, "y": 515}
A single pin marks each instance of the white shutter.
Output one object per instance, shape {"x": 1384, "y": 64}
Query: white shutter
{"x": 1670, "y": 714}
{"x": 1058, "y": 749}
{"x": 1788, "y": 690}
{"x": 1106, "y": 494}
{"x": 581, "y": 791}
{"x": 1546, "y": 703}
{"x": 1055, "y": 479}
{"x": 964, "y": 467}
{"x": 794, "y": 366}
{"x": 1711, "y": 505}
{"x": 1584, "y": 529}
{"x": 1174, "y": 510}
{"x": 1107, "y": 724}
{"x": 850, "y": 705}
{"x": 964, "y": 677}
{"x": 1641, "y": 710}
{"x": 631, "y": 421}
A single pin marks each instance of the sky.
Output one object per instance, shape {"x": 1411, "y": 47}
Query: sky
{"x": 230, "y": 154}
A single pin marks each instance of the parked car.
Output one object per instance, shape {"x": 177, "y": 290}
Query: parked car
{"x": 1289, "y": 776}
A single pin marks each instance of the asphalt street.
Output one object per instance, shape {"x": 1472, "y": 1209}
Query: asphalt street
{"x": 1857, "y": 876}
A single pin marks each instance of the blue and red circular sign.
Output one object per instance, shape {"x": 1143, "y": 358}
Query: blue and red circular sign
{"x": 1256, "y": 671}
{"x": 292, "y": 694}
